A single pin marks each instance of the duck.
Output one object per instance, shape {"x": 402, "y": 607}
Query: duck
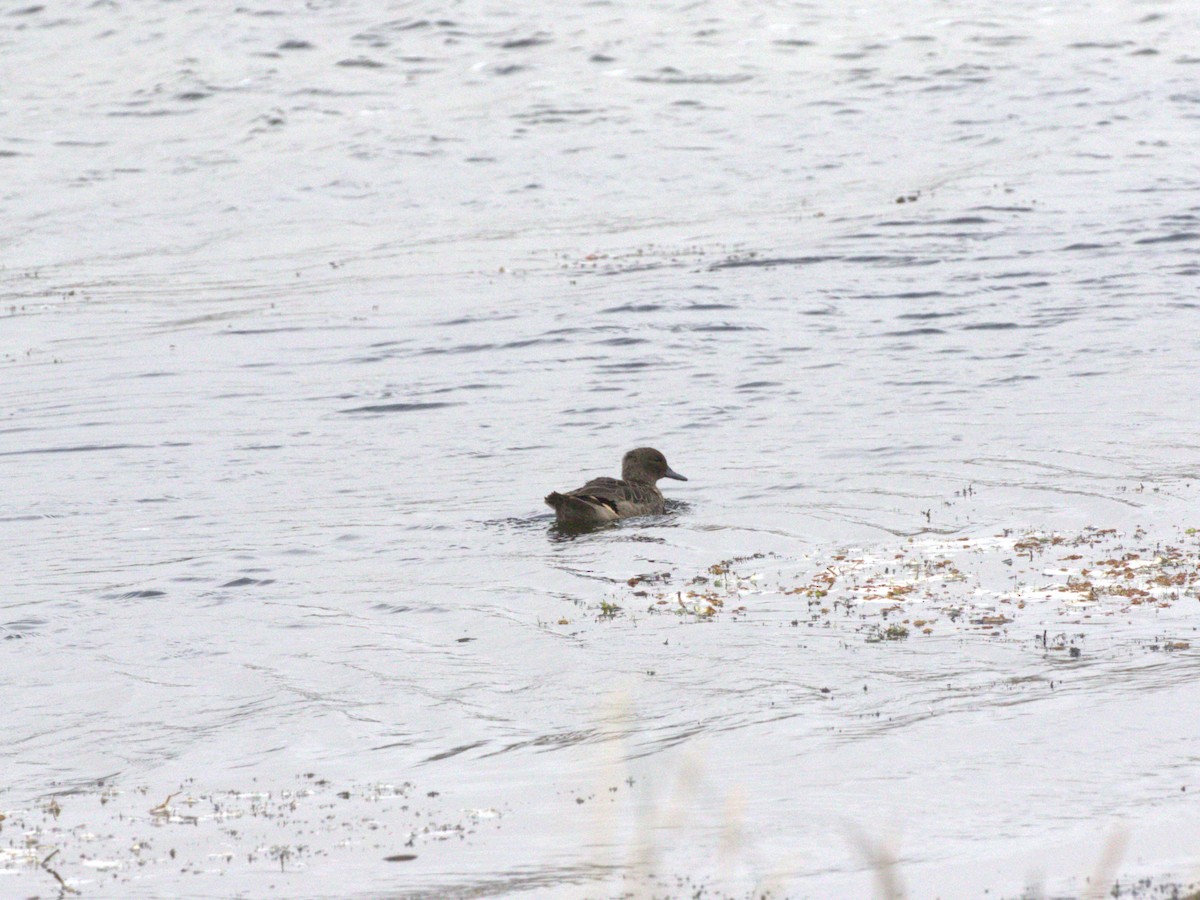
{"x": 604, "y": 500}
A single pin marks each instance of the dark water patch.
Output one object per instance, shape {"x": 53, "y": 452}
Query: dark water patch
{"x": 793, "y": 42}
{"x": 548, "y": 742}
{"x": 724, "y": 326}
{"x": 1003, "y": 275}
{"x": 633, "y": 307}
{"x": 402, "y": 25}
{"x": 283, "y": 329}
{"x": 555, "y": 111}
{"x": 872, "y": 258}
{"x": 1090, "y": 374}
{"x": 1100, "y": 45}
{"x": 530, "y": 342}
{"x": 447, "y": 754}
{"x": 460, "y": 348}
{"x": 391, "y": 608}
{"x": 991, "y": 326}
{"x": 771, "y": 262}
{"x": 361, "y": 62}
{"x": 19, "y": 628}
{"x": 914, "y": 332}
{"x": 671, "y": 75}
{"x": 536, "y": 40}
{"x": 906, "y": 295}
{"x": 590, "y": 410}
{"x": 1170, "y": 238}
{"x": 1011, "y": 379}
{"x": 464, "y": 387}
{"x": 895, "y": 261}
{"x": 137, "y": 595}
{"x": 925, "y": 316}
{"x": 295, "y": 45}
{"x": 632, "y": 366}
{"x": 710, "y": 307}
{"x": 1017, "y": 209}
{"x": 897, "y": 449}
{"x": 81, "y": 448}
{"x": 551, "y": 118}
{"x": 146, "y": 113}
{"x": 757, "y": 385}
{"x": 398, "y": 407}
{"x": 621, "y": 341}
{"x": 247, "y": 582}
{"x": 642, "y": 267}
{"x": 535, "y": 523}
{"x": 330, "y": 92}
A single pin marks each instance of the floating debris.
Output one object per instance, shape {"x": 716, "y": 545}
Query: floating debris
{"x": 992, "y": 585}
{"x": 69, "y": 844}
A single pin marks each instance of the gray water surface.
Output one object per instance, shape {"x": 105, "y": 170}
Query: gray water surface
{"x": 305, "y": 309}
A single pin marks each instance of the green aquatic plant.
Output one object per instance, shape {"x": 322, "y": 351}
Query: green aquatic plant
{"x": 891, "y": 633}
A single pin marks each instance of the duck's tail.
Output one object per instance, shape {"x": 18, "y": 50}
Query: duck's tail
{"x": 577, "y": 511}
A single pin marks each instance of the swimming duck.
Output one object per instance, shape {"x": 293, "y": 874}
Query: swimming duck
{"x": 607, "y": 499}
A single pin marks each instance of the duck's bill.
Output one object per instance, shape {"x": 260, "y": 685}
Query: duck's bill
{"x": 671, "y": 473}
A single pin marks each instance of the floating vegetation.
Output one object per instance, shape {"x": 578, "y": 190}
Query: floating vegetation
{"x": 70, "y": 843}
{"x": 991, "y": 585}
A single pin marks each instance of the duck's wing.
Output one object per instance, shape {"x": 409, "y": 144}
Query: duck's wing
{"x": 624, "y": 498}
{"x": 593, "y": 504}
{"x": 606, "y": 492}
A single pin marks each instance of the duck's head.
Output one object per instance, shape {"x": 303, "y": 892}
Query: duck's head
{"x": 647, "y": 464}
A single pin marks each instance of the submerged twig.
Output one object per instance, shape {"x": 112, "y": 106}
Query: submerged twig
{"x": 63, "y": 887}
{"x": 161, "y": 809}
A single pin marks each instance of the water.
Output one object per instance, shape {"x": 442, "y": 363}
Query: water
{"x": 305, "y": 310}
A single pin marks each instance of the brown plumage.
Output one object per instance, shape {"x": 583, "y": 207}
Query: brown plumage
{"x": 604, "y": 500}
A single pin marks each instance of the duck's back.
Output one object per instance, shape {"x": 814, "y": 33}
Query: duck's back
{"x": 605, "y": 499}
{"x": 625, "y": 498}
